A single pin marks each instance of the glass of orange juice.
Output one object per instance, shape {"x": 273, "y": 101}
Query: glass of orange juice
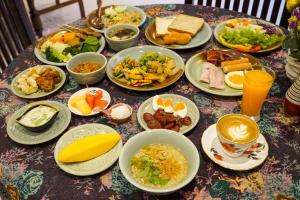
{"x": 257, "y": 83}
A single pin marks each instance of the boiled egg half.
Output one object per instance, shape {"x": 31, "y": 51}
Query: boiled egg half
{"x": 180, "y": 109}
{"x": 235, "y": 79}
{"x": 157, "y": 103}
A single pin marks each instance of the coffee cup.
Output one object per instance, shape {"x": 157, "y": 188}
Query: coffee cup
{"x": 238, "y": 134}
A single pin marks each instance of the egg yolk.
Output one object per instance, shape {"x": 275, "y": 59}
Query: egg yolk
{"x": 168, "y": 103}
{"x": 236, "y": 79}
{"x": 179, "y": 106}
{"x": 160, "y": 102}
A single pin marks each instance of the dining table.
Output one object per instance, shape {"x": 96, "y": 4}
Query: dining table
{"x": 30, "y": 171}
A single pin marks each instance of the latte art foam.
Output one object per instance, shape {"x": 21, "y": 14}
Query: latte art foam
{"x": 238, "y": 129}
{"x": 238, "y": 132}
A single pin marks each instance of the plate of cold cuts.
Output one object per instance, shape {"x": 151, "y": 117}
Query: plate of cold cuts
{"x": 219, "y": 71}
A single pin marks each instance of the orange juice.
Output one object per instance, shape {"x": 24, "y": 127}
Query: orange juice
{"x": 257, "y": 84}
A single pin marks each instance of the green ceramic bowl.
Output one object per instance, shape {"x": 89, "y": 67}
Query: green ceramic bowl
{"x": 160, "y": 136}
{"x": 118, "y": 45}
{"x": 91, "y": 77}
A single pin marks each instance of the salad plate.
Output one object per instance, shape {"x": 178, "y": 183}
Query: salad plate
{"x": 39, "y": 93}
{"x": 195, "y": 65}
{"x": 92, "y": 166}
{"x": 249, "y": 160}
{"x": 60, "y": 47}
{"x": 22, "y": 135}
{"x": 118, "y": 14}
{"x": 249, "y": 35}
{"x": 189, "y": 109}
{"x": 133, "y": 68}
{"x": 199, "y": 39}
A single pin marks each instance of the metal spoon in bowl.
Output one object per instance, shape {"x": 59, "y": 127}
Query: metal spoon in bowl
{"x": 96, "y": 21}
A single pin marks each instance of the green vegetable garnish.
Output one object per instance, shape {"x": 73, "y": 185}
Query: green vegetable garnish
{"x": 54, "y": 56}
{"x": 90, "y": 44}
{"x": 148, "y": 171}
{"x": 247, "y": 36}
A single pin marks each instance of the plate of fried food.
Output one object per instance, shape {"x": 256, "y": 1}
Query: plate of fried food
{"x": 219, "y": 71}
{"x": 59, "y": 47}
{"x": 249, "y": 35}
{"x": 145, "y": 68}
{"x": 178, "y": 32}
{"x": 168, "y": 111}
{"x": 118, "y": 14}
{"x": 38, "y": 81}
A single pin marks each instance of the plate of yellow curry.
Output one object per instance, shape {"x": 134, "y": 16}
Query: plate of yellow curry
{"x": 145, "y": 68}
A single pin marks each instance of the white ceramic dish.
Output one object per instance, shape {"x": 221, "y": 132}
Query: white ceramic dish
{"x": 105, "y": 96}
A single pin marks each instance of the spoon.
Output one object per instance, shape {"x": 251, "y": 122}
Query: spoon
{"x": 96, "y": 21}
{"x": 107, "y": 113}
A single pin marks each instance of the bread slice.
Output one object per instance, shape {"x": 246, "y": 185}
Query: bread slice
{"x": 187, "y": 24}
{"x": 161, "y": 25}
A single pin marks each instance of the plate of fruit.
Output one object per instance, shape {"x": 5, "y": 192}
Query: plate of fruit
{"x": 89, "y": 101}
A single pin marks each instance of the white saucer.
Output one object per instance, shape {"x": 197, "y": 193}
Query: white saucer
{"x": 214, "y": 151}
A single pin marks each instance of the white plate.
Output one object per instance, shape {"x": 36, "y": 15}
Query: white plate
{"x": 213, "y": 149}
{"x": 42, "y": 57}
{"x": 105, "y": 96}
{"x": 92, "y": 166}
{"x": 193, "y": 111}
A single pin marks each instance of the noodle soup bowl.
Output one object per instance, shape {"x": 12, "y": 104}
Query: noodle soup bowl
{"x": 165, "y": 137}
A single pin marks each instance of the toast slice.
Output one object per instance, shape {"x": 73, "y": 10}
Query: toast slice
{"x": 187, "y": 24}
{"x": 161, "y": 25}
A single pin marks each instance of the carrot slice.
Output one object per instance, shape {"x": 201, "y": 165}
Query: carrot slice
{"x": 90, "y": 99}
{"x": 100, "y": 103}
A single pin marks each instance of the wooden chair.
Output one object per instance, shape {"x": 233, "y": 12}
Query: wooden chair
{"x": 16, "y": 31}
{"x": 270, "y": 10}
{"x": 35, "y": 14}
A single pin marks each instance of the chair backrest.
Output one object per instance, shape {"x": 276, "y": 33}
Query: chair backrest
{"x": 35, "y": 13}
{"x": 16, "y": 31}
{"x": 270, "y": 10}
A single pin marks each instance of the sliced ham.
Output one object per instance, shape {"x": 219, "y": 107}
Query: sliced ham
{"x": 216, "y": 78}
{"x": 206, "y": 66}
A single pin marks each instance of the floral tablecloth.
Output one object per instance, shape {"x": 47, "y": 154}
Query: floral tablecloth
{"x": 30, "y": 172}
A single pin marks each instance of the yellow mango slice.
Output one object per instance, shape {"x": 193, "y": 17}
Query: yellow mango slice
{"x": 80, "y": 103}
{"x": 76, "y": 98}
{"x": 88, "y": 147}
{"x": 83, "y": 106}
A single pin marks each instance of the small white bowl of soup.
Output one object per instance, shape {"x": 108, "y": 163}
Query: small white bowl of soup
{"x": 159, "y": 161}
{"x": 122, "y": 36}
{"x": 87, "y": 68}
